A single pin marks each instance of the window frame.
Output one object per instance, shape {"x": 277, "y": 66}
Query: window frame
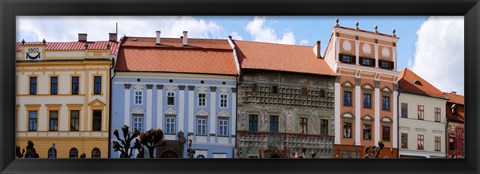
{"x": 172, "y": 96}
{"x": 274, "y": 122}
{"x": 347, "y": 125}
{"x": 421, "y": 112}
{"x": 77, "y": 85}
{"x": 365, "y": 131}
{"x": 54, "y": 86}
{"x": 73, "y": 155}
{"x": 94, "y": 119}
{"x": 223, "y": 100}
{"x": 402, "y": 109}
{"x": 344, "y": 97}
{"x": 225, "y": 126}
{"x": 33, "y": 90}
{"x": 172, "y": 123}
{"x": 30, "y": 119}
{"x": 52, "y": 127}
{"x": 404, "y": 145}
{"x": 253, "y": 122}
{"x": 138, "y": 97}
{"x": 323, "y": 127}
{"x": 202, "y": 99}
{"x": 134, "y": 123}
{"x": 369, "y": 100}
{"x": 97, "y": 84}
{"x": 71, "y": 120}
{"x": 96, "y": 150}
{"x": 420, "y": 140}
{"x": 389, "y": 133}
{"x": 438, "y": 117}
{"x": 386, "y": 105}
{"x": 437, "y": 143}
{"x": 303, "y": 125}
{"x": 198, "y": 131}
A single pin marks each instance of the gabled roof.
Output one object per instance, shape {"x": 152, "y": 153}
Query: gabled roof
{"x": 455, "y": 98}
{"x": 203, "y": 56}
{"x": 74, "y": 46}
{"x": 410, "y": 82}
{"x": 280, "y": 57}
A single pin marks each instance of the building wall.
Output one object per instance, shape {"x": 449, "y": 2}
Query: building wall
{"x": 186, "y": 110}
{"x": 457, "y": 132}
{"x": 427, "y": 127}
{"x": 359, "y": 79}
{"x": 84, "y": 139}
{"x": 256, "y": 97}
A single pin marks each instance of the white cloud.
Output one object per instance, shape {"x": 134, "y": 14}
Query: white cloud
{"x": 304, "y": 42}
{"x": 97, "y": 27}
{"x": 263, "y": 33}
{"x": 439, "y": 56}
{"x": 236, "y": 36}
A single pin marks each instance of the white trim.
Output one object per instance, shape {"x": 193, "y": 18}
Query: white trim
{"x": 181, "y": 111}
{"x": 337, "y": 46}
{"x": 377, "y": 115}
{"x": 234, "y": 114}
{"x": 135, "y": 97}
{"x": 369, "y": 69}
{"x": 235, "y": 57}
{"x": 181, "y": 76}
{"x": 148, "y": 121}
{"x": 395, "y": 120}
{"x": 337, "y": 113}
{"x": 213, "y": 118}
{"x": 357, "y": 54}
{"x": 126, "y": 118}
{"x": 376, "y": 55}
{"x": 175, "y": 84}
{"x": 159, "y": 108}
{"x": 190, "y": 111}
{"x": 204, "y": 99}
{"x": 226, "y": 100}
{"x": 357, "y": 114}
{"x": 365, "y": 34}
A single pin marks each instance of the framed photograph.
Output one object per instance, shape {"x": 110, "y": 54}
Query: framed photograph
{"x": 239, "y": 87}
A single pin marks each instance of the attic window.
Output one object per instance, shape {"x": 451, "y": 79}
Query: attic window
{"x": 416, "y": 82}
{"x": 134, "y": 39}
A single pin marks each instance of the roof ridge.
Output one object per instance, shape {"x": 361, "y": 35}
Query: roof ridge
{"x": 273, "y": 43}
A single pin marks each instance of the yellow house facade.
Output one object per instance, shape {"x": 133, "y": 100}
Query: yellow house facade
{"x": 62, "y": 96}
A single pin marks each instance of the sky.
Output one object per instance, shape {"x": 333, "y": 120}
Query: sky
{"x": 433, "y": 47}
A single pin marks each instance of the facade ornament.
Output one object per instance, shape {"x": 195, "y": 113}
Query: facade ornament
{"x": 223, "y": 90}
{"x": 356, "y": 25}
{"x": 138, "y": 110}
{"x": 138, "y": 87}
{"x": 171, "y": 88}
{"x": 202, "y": 89}
{"x": 337, "y": 22}
{"x": 223, "y": 113}
{"x": 202, "y": 112}
{"x": 170, "y": 111}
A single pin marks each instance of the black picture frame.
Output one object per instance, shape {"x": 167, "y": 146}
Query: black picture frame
{"x": 9, "y": 9}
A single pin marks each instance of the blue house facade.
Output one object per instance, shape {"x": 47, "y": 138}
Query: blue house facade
{"x": 165, "y": 86}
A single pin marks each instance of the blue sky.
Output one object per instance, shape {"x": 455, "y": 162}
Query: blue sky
{"x": 299, "y": 30}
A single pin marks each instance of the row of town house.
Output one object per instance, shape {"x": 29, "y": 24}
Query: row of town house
{"x": 233, "y": 98}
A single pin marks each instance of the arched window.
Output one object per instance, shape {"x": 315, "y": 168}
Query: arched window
{"x": 96, "y": 153}
{"x": 52, "y": 154}
{"x": 73, "y": 153}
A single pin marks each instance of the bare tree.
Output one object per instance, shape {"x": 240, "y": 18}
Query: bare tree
{"x": 124, "y": 145}
{"x": 150, "y": 138}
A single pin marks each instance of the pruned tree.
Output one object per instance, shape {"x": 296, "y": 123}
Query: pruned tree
{"x": 30, "y": 151}
{"x": 83, "y": 155}
{"x": 124, "y": 145}
{"x": 19, "y": 153}
{"x": 149, "y": 139}
{"x": 373, "y": 151}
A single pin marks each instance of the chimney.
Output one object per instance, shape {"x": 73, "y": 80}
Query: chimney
{"x": 454, "y": 92}
{"x": 82, "y": 37}
{"x": 185, "y": 39}
{"x": 112, "y": 37}
{"x": 316, "y": 49}
{"x": 157, "y": 41}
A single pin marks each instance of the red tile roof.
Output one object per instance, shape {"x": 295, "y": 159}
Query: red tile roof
{"x": 455, "y": 98}
{"x": 204, "y": 56}
{"x": 280, "y": 57}
{"x": 407, "y": 84}
{"x": 73, "y": 46}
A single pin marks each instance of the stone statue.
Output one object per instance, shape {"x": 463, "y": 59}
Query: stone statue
{"x": 373, "y": 151}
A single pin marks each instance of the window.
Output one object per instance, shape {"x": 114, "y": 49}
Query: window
{"x": 273, "y": 123}
{"x": 53, "y": 85}
{"x": 304, "y": 125}
{"x": 385, "y": 103}
{"x": 74, "y": 120}
{"x": 53, "y": 123}
{"x": 201, "y": 126}
{"x": 223, "y": 100}
{"x": 366, "y": 61}
{"x": 73, "y": 153}
{"x": 404, "y": 141}
{"x": 347, "y": 98}
{"x": 274, "y": 89}
{"x": 451, "y": 143}
{"x": 324, "y": 124}
{"x": 347, "y": 130}
{"x": 346, "y": 58}
{"x": 385, "y": 64}
{"x": 32, "y": 120}
{"x": 170, "y": 98}
{"x": 223, "y": 127}
{"x": 201, "y": 99}
{"x": 253, "y": 123}
{"x": 322, "y": 93}
{"x": 97, "y": 120}
{"x": 304, "y": 91}
{"x": 404, "y": 109}
{"x": 420, "y": 139}
{"x": 97, "y": 84}
{"x": 96, "y": 153}
{"x": 437, "y": 143}
{"x": 420, "y": 112}
{"x": 437, "y": 114}
{"x": 367, "y": 132}
{"x": 170, "y": 125}
{"x": 52, "y": 153}
{"x": 386, "y": 133}
{"x": 138, "y": 97}
{"x": 75, "y": 85}
{"x": 33, "y": 85}
{"x": 367, "y": 100}
{"x": 138, "y": 122}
